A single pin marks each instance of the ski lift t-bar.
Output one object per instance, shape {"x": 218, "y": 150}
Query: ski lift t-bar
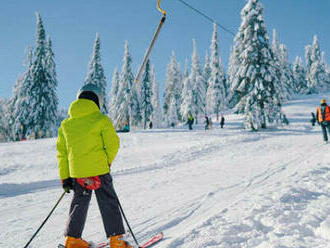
{"x": 146, "y": 56}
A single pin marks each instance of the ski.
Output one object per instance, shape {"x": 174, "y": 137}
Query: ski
{"x": 155, "y": 239}
{"x": 151, "y": 242}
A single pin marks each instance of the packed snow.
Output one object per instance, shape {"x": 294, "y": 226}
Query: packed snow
{"x": 223, "y": 188}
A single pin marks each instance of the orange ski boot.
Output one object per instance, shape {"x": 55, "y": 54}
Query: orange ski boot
{"x": 71, "y": 242}
{"x": 118, "y": 242}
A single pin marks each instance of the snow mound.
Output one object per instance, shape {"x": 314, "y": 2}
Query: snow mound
{"x": 324, "y": 230}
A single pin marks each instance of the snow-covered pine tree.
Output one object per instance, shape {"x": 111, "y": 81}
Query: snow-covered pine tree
{"x": 231, "y": 72}
{"x": 316, "y": 73}
{"x": 173, "y": 88}
{"x": 156, "y": 115}
{"x": 172, "y": 112}
{"x": 231, "y": 66}
{"x": 113, "y": 95}
{"x": 6, "y": 119}
{"x": 146, "y": 95}
{"x": 3, "y": 122}
{"x": 52, "y": 86}
{"x": 287, "y": 78}
{"x": 168, "y": 85}
{"x": 225, "y": 83}
{"x": 198, "y": 85}
{"x": 186, "y": 69}
{"x": 186, "y": 96}
{"x": 299, "y": 75}
{"x": 41, "y": 96}
{"x": 216, "y": 93}
{"x": 207, "y": 70}
{"x": 275, "y": 45}
{"x": 18, "y": 110}
{"x": 19, "y": 105}
{"x": 178, "y": 92}
{"x": 95, "y": 73}
{"x": 308, "y": 59}
{"x": 280, "y": 87}
{"x": 127, "y": 100}
{"x": 326, "y": 68}
{"x": 256, "y": 76}
{"x": 286, "y": 85}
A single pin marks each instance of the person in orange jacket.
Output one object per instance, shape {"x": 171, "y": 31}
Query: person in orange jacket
{"x": 323, "y": 118}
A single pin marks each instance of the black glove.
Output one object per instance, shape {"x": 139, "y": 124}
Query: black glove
{"x": 67, "y": 184}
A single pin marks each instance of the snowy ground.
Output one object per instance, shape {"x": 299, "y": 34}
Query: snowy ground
{"x": 217, "y": 188}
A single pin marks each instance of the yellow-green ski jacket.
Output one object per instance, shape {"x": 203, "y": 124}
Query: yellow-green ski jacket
{"x": 87, "y": 142}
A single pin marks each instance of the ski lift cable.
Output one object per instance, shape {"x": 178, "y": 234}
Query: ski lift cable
{"x": 207, "y": 17}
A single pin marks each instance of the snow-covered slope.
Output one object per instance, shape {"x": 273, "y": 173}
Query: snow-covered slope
{"x": 217, "y": 188}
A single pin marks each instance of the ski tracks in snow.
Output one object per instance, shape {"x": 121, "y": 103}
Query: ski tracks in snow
{"x": 296, "y": 214}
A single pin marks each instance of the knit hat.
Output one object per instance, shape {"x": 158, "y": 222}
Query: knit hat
{"x": 91, "y": 92}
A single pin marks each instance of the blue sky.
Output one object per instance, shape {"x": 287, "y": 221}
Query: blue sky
{"x": 72, "y": 25}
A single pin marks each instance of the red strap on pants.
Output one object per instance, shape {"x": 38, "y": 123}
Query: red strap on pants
{"x": 91, "y": 183}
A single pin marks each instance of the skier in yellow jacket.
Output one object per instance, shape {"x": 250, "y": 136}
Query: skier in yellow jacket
{"x": 87, "y": 144}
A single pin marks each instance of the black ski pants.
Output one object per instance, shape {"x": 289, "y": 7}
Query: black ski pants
{"x": 325, "y": 126}
{"x": 108, "y": 205}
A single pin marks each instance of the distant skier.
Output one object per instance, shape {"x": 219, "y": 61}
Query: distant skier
{"x": 23, "y": 132}
{"x": 285, "y": 120}
{"x": 323, "y": 118}
{"x": 207, "y": 123}
{"x": 125, "y": 129}
{"x": 87, "y": 144}
{"x": 190, "y": 121}
{"x": 313, "y": 120}
{"x": 222, "y": 121}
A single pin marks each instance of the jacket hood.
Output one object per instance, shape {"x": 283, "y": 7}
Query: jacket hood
{"x": 82, "y": 107}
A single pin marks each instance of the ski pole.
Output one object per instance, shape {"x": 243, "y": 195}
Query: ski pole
{"x": 129, "y": 227}
{"x": 43, "y": 223}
